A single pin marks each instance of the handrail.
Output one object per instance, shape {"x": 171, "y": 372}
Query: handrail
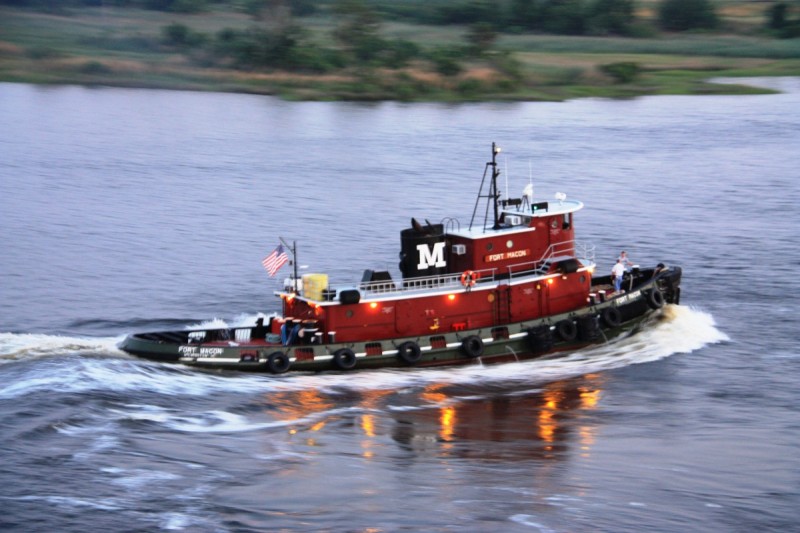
{"x": 575, "y": 249}
{"x": 441, "y": 281}
{"x": 588, "y": 251}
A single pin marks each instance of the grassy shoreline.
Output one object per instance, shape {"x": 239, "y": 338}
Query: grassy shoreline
{"x": 120, "y": 47}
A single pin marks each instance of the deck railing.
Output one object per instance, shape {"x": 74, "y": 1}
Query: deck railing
{"x": 443, "y": 281}
{"x": 562, "y": 250}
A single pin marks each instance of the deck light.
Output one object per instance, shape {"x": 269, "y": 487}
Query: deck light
{"x": 373, "y": 305}
{"x": 451, "y": 297}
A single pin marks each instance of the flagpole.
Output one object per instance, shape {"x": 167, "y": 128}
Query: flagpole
{"x": 294, "y": 255}
{"x": 293, "y": 249}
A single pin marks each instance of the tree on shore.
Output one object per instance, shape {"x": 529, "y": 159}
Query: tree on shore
{"x": 481, "y": 36}
{"x": 358, "y": 29}
{"x": 573, "y": 17}
{"x": 779, "y": 22}
{"x": 683, "y": 15}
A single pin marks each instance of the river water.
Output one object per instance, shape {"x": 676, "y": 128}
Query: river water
{"x": 125, "y": 210}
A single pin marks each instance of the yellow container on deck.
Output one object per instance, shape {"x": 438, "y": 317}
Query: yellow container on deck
{"x": 313, "y": 285}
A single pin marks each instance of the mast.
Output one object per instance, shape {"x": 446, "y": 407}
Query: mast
{"x": 294, "y": 260}
{"x": 493, "y": 192}
{"x": 492, "y": 196}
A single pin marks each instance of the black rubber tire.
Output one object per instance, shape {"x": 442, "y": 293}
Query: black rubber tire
{"x": 567, "y": 330}
{"x": 344, "y": 359}
{"x": 611, "y": 316}
{"x": 472, "y": 346}
{"x": 409, "y": 353}
{"x": 588, "y": 327}
{"x": 540, "y": 339}
{"x": 655, "y": 299}
{"x": 278, "y": 362}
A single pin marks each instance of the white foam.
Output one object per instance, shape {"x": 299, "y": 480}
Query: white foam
{"x": 137, "y": 479}
{"x": 214, "y": 323}
{"x": 241, "y": 321}
{"x": 175, "y": 521}
{"x": 17, "y": 346}
{"x": 205, "y": 422}
{"x": 103, "y": 504}
{"x": 530, "y": 521}
{"x": 680, "y": 330}
{"x": 214, "y": 421}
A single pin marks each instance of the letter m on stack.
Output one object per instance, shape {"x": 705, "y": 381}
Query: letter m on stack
{"x": 431, "y": 258}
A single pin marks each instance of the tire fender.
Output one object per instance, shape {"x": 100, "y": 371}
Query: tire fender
{"x": 344, "y": 359}
{"x": 278, "y": 362}
{"x": 472, "y": 346}
{"x": 611, "y": 317}
{"x": 567, "y": 330}
{"x": 409, "y": 353}
{"x": 655, "y": 298}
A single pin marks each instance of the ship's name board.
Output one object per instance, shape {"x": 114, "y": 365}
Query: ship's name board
{"x": 193, "y": 351}
{"x": 504, "y": 256}
{"x": 629, "y": 297}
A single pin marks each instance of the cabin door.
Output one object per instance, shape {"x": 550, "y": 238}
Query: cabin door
{"x": 543, "y": 294}
{"x": 403, "y": 317}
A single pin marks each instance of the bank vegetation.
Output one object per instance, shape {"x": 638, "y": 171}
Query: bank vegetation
{"x": 455, "y": 50}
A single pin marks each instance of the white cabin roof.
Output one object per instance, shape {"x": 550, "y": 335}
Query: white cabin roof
{"x": 554, "y": 208}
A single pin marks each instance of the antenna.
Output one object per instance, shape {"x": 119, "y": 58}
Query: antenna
{"x": 530, "y": 173}
{"x": 505, "y": 161}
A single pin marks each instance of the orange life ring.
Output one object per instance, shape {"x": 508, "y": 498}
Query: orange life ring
{"x": 468, "y": 278}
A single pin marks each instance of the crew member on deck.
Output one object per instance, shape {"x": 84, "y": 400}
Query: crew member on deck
{"x": 617, "y": 272}
{"x": 289, "y": 331}
{"x": 623, "y": 257}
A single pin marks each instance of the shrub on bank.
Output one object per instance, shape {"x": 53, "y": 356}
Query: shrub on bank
{"x": 622, "y": 72}
{"x": 95, "y": 68}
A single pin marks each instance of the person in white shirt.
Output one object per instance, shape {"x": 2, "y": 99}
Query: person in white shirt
{"x": 616, "y": 272}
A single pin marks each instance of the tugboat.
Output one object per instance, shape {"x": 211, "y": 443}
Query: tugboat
{"x": 519, "y": 286}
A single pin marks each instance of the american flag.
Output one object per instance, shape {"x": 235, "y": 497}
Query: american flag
{"x": 274, "y": 261}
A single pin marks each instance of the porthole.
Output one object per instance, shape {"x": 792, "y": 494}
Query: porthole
{"x": 509, "y": 243}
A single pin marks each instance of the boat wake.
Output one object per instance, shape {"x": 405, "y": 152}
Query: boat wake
{"x": 97, "y": 364}
{"x": 24, "y": 346}
{"x": 679, "y": 330}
